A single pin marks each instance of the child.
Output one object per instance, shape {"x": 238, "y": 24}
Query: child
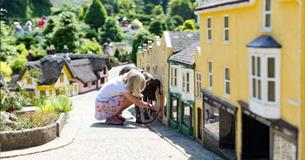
{"x": 118, "y": 94}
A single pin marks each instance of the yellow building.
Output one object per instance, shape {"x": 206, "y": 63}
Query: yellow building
{"x": 153, "y": 57}
{"x": 252, "y": 90}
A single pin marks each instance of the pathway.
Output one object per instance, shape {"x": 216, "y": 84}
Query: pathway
{"x": 96, "y": 141}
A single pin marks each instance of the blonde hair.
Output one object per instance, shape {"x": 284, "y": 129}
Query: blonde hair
{"x": 135, "y": 82}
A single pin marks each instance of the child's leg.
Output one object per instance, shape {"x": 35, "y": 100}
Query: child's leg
{"x": 124, "y": 106}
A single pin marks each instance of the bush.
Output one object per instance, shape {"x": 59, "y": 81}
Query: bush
{"x": 91, "y": 46}
{"x": 34, "y": 119}
{"x": 6, "y": 70}
{"x": 59, "y": 104}
{"x": 62, "y": 104}
{"x": 27, "y": 40}
{"x": 11, "y": 100}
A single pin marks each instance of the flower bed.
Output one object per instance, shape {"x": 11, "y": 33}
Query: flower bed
{"x": 32, "y": 134}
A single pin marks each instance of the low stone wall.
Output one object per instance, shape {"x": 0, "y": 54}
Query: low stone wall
{"x": 31, "y": 137}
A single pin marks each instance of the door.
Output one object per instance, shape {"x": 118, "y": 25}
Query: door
{"x": 199, "y": 123}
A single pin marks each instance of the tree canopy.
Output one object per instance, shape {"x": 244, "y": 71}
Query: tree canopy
{"x": 112, "y": 30}
{"x": 183, "y": 8}
{"x": 96, "y": 15}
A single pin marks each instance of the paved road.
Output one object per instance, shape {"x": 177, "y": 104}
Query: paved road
{"x": 97, "y": 141}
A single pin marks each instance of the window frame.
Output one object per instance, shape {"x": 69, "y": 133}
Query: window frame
{"x": 198, "y": 85}
{"x": 227, "y": 81}
{"x": 264, "y": 55}
{"x": 265, "y": 13}
{"x": 209, "y": 29}
{"x": 29, "y": 81}
{"x": 226, "y": 41}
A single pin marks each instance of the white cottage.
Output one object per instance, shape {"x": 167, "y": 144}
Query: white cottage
{"x": 181, "y": 89}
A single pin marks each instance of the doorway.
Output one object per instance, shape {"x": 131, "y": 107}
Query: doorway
{"x": 255, "y": 139}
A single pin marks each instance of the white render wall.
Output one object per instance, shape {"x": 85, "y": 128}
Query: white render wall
{"x": 178, "y": 89}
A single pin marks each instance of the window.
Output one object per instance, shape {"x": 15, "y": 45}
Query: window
{"x": 172, "y": 76}
{"x": 209, "y": 29}
{"x": 198, "y": 85}
{"x": 267, "y": 16}
{"x": 187, "y": 82}
{"x": 226, "y": 28}
{"x": 93, "y": 83}
{"x": 256, "y": 77}
{"x": 210, "y": 76}
{"x": 50, "y": 92}
{"x": 175, "y": 76}
{"x": 102, "y": 80}
{"x": 62, "y": 78}
{"x": 42, "y": 93}
{"x": 85, "y": 85}
{"x": 29, "y": 81}
{"x": 264, "y": 78}
{"x": 271, "y": 79}
{"x": 227, "y": 81}
{"x": 183, "y": 82}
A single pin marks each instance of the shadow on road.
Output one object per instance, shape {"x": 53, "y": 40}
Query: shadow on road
{"x": 126, "y": 125}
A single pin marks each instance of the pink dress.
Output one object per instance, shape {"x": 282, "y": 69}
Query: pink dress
{"x": 110, "y": 98}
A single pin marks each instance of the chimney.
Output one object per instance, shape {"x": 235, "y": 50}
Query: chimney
{"x": 66, "y": 49}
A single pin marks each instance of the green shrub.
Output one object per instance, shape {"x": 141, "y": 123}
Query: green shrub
{"x": 62, "y": 104}
{"x": 11, "y": 100}
{"x": 34, "y": 119}
{"x": 59, "y": 104}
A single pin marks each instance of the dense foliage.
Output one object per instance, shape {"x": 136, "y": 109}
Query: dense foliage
{"x": 96, "y": 15}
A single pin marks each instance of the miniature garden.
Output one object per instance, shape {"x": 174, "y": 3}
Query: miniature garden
{"x": 46, "y": 111}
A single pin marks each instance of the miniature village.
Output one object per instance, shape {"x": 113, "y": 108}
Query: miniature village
{"x": 236, "y": 85}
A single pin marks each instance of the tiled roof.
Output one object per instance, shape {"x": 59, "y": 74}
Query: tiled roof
{"x": 264, "y": 41}
{"x": 82, "y": 70}
{"x": 187, "y": 55}
{"x": 208, "y": 4}
{"x": 84, "y": 67}
{"x": 180, "y": 40}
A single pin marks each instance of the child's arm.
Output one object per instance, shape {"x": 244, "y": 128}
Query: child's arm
{"x": 137, "y": 101}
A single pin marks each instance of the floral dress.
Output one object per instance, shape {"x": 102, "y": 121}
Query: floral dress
{"x": 107, "y": 108}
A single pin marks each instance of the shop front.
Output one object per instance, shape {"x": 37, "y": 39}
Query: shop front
{"x": 219, "y": 125}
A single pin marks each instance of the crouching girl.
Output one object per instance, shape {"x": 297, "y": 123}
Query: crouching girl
{"x": 118, "y": 94}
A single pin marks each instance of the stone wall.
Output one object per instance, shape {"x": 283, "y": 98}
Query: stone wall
{"x": 27, "y": 138}
{"x": 31, "y": 137}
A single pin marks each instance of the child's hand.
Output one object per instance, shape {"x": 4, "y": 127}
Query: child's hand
{"x": 148, "y": 106}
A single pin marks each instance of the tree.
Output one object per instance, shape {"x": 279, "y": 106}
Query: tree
{"x": 6, "y": 70}
{"x": 188, "y": 25}
{"x": 66, "y": 34}
{"x": 127, "y": 6}
{"x": 183, "y": 8}
{"x": 96, "y": 15}
{"x": 157, "y": 27}
{"x": 158, "y": 10}
{"x": 148, "y": 8}
{"x": 178, "y": 20}
{"x": 112, "y": 30}
{"x": 165, "y": 5}
{"x": 40, "y": 7}
{"x": 91, "y": 46}
{"x": 50, "y": 26}
{"x": 139, "y": 40}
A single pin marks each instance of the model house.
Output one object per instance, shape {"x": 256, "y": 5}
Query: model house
{"x": 63, "y": 73}
{"x": 153, "y": 57}
{"x": 181, "y": 90}
{"x": 251, "y": 58}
